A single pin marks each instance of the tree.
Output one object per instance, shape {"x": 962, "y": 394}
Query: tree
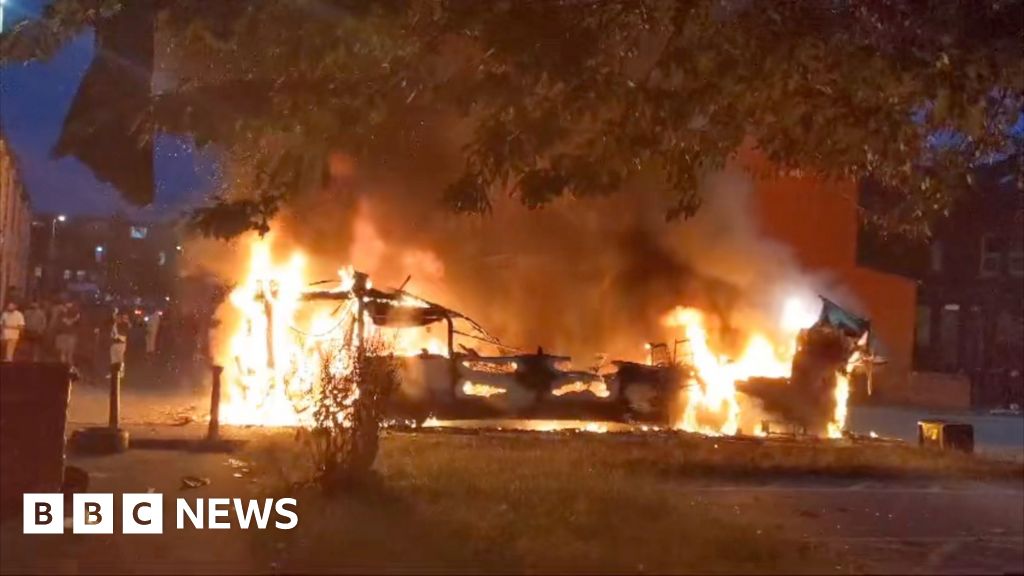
{"x": 575, "y": 96}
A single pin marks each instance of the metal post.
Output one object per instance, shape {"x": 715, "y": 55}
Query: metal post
{"x": 359, "y": 290}
{"x": 214, "y": 430}
{"x": 453, "y": 368}
{"x": 115, "y": 396}
{"x": 451, "y": 335}
{"x": 268, "y": 309}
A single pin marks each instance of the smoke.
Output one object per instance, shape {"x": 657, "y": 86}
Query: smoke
{"x": 579, "y": 277}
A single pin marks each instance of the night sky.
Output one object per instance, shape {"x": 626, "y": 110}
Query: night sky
{"x": 34, "y": 100}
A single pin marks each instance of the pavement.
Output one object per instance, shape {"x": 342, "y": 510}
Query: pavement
{"x": 904, "y": 526}
{"x": 1000, "y": 436}
{"x": 888, "y": 527}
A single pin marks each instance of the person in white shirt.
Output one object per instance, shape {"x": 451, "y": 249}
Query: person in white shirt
{"x": 12, "y": 323}
{"x": 152, "y": 329}
{"x": 119, "y": 338}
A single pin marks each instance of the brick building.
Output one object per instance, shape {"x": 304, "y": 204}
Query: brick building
{"x": 818, "y": 219}
{"x": 969, "y": 320}
{"x": 104, "y": 259}
{"x": 15, "y": 222}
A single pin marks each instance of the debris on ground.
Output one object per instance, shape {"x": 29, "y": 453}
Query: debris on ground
{"x": 241, "y": 467}
{"x": 188, "y": 482}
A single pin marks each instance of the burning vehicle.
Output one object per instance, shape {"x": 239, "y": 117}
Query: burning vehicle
{"x": 273, "y": 364}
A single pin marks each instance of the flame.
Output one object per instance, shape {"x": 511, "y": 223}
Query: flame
{"x": 596, "y": 387}
{"x": 712, "y": 404}
{"x": 842, "y": 396}
{"x": 482, "y": 390}
{"x": 275, "y": 354}
{"x": 268, "y": 369}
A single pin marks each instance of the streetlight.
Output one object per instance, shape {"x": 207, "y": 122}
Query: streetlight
{"x": 53, "y": 234}
{"x": 53, "y": 241}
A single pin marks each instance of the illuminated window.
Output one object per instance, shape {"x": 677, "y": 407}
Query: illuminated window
{"x": 161, "y": 258}
{"x": 80, "y": 275}
{"x": 139, "y": 232}
{"x": 67, "y": 274}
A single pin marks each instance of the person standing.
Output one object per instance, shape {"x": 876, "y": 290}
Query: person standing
{"x": 119, "y": 338}
{"x": 66, "y": 338}
{"x": 35, "y": 330}
{"x": 152, "y": 329}
{"x": 53, "y": 322}
{"x": 12, "y": 323}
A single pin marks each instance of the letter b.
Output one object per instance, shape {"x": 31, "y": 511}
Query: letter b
{"x": 93, "y": 514}
{"x": 43, "y": 514}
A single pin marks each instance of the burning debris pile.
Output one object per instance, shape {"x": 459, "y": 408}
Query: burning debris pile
{"x": 453, "y": 369}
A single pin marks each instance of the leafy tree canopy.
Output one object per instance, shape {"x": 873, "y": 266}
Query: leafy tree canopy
{"x": 561, "y": 96}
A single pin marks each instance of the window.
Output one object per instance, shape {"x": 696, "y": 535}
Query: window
{"x": 161, "y": 258}
{"x": 80, "y": 276}
{"x": 38, "y": 272}
{"x": 935, "y": 254}
{"x": 949, "y": 337}
{"x": 139, "y": 232}
{"x": 991, "y": 255}
{"x": 67, "y": 274}
{"x": 1015, "y": 259}
{"x": 923, "y": 328}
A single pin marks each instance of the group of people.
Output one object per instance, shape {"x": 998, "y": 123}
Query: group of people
{"x": 41, "y": 329}
{"x": 51, "y": 331}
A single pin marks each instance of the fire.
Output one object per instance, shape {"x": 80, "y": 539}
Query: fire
{"x": 267, "y": 366}
{"x": 712, "y": 403}
{"x": 596, "y": 387}
{"x": 281, "y": 344}
{"x": 275, "y": 354}
{"x": 482, "y": 390}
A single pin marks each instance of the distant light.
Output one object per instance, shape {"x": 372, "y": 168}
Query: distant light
{"x": 99, "y": 248}
{"x": 178, "y": 247}
{"x": 61, "y": 218}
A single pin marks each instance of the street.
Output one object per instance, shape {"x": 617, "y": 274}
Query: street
{"x": 436, "y": 488}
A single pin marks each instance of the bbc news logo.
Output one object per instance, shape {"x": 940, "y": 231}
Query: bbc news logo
{"x": 144, "y": 514}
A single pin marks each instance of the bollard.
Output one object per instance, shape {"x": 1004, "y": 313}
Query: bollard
{"x": 107, "y": 439}
{"x": 213, "y": 432}
{"x": 115, "y": 395}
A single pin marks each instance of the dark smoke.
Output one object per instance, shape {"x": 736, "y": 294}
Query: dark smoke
{"x": 578, "y": 277}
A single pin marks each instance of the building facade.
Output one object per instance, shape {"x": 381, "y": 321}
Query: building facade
{"x": 15, "y": 226}
{"x": 969, "y": 319}
{"x": 818, "y": 220}
{"x": 970, "y": 315}
{"x": 105, "y": 259}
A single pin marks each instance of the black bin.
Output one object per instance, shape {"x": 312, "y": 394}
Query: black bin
{"x": 33, "y": 416}
{"x": 945, "y": 435}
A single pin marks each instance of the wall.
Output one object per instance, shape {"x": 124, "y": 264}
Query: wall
{"x": 818, "y": 220}
{"x": 15, "y": 223}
